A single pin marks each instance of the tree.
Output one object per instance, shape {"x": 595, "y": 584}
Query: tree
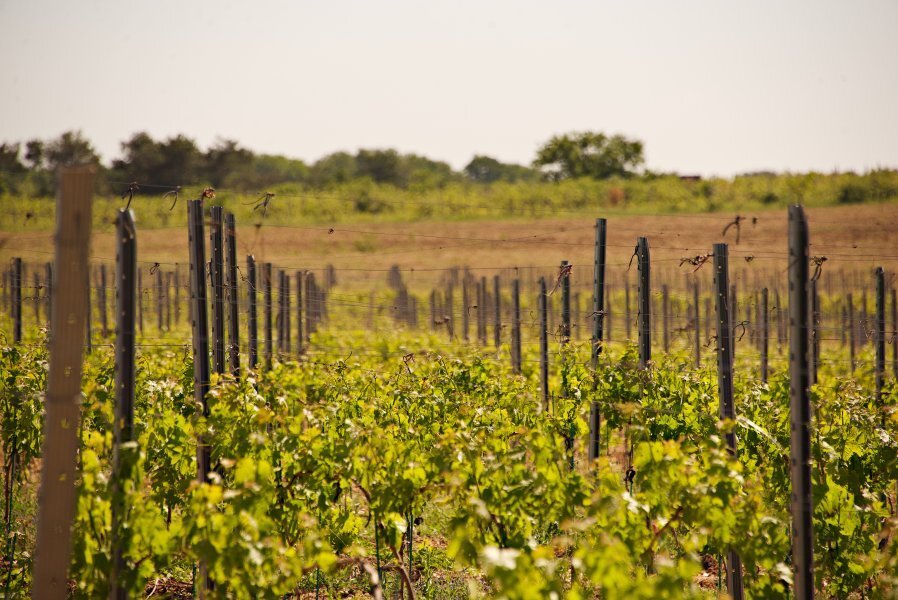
{"x": 142, "y": 161}
{"x": 486, "y": 169}
{"x": 70, "y": 149}
{"x": 338, "y": 167}
{"x": 383, "y": 166}
{"x": 228, "y": 164}
{"x": 182, "y": 162}
{"x": 425, "y": 173}
{"x": 589, "y": 154}
{"x": 9, "y": 158}
{"x": 34, "y": 154}
{"x": 270, "y": 169}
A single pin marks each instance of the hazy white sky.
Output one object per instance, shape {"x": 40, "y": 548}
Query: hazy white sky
{"x": 710, "y": 86}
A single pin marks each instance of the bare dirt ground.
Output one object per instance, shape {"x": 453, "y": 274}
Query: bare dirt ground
{"x": 853, "y": 238}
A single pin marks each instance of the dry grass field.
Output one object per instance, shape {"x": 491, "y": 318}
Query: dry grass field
{"x": 853, "y": 238}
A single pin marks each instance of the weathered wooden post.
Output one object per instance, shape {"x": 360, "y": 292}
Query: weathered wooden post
{"x": 269, "y": 324}
{"x": 101, "y": 294}
{"x": 696, "y": 320}
{"x": 800, "y": 407}
{"x": 765, "y": 335}
{"x": 627, "y": 313}
{"x": 725, "y": 388}
{"x": 88, "y": 343}
{"x": 125, "y": 453}
{"x": 17, "y": 299}
{"x": 645, "y": 303}
{"x": 852, "y": 333}
{"x": 894, "y": 334}
{"x": 544, "y": 343}
{"x": 812, "y": 332}
{"x": 497, "y": 312}
{"x": 880, "y": 333}
{"x": 299, "y": 310}
{"x": 216, "y": 264}
{"x": 665, "y": 324}
{"x": 233, "y": 288}
{"x": 565, "y": 281}
{"x": 465, "y": 308}
{"x": 169, "y": 277}
{"x": 48, "y": 277}
{"x": 598, "y": 317}
{"x": 57, "y": 496}
{"x": 253, "y": 321}
{"x": 200, "y": 329}
{"x": 516, "y": 326}
{"x": 177, "y": 294}
{"x": 140, "y": 300}
{"x": 286, "y": 318}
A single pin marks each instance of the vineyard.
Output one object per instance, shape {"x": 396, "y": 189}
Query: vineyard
{"x": 701, "y": 417}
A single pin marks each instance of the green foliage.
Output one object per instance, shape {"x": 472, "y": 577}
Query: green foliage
{"x": 324, "y": 466}
{"x": 589, "y": 154}
{"x": 485, "y": 169}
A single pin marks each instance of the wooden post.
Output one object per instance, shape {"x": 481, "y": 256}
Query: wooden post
{"x": 480, "y": 287}
{"x": 516, "y": 326}
{"x": 598, "y": 295}
{"x": 125, "y": 453}
{"x": 253, "y": 321}
{"x": 864, "y": 323}
{"x": 734, "y": 313}
{"x": 696, "y": 321}
{"x": 36, "y": 296}
{"x": 160, "y": 323}
{"x": 544, "y": 343}
{"x": 233, "y": 288}
{"x": 57, "y": 496}
{"x": 812, "y": 332}
{"x": 449, "y": 312}
{"x": 607, "y": 318}
{"x": 87, "y": 324}
{"x": 725, "y": 388}
{"x": 310, "y": 305}
{"x": 665, "y": 324}
{"x": 48, "y": 283}
{"x": 598, "y": 318}
{"x": 894, "y": 334}
{"x": 216, "y": 265}
{"x": 7, "y": 292}
{"x": 140, "y": 300}
{"x": 564, "y": 276}
{"x": 497, "y": 312}
{"x": 169, "y": 276}
{"x": 852, "y": 332}
{"x": 17, "y": 299}
{"x": 279, "y": 319}
{"x": 101, "y": 292}
{"x": 285, "y": 294}
{"x": 299, "y": 310}
{"x": 627, "y": 313}
{"x": 465, "y": 308}
{"x": 269, "y": 344}
{"x": 645, "y": 304}
{"x": 800, "y": 407}
{"x": 880, "y": 333}
{"x": 200, "y": 329}
{"x": 433, "y": 310}
{"x": 177, "y": 294}
{"x": 765, "y": 335}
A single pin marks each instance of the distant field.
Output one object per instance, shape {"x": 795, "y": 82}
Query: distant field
{"x": 853, "y": 238}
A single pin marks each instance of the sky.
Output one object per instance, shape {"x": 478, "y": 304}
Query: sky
{"x": 711, "y": 87}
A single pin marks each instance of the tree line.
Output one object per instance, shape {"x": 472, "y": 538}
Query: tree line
{"x": 28, "y": 167}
